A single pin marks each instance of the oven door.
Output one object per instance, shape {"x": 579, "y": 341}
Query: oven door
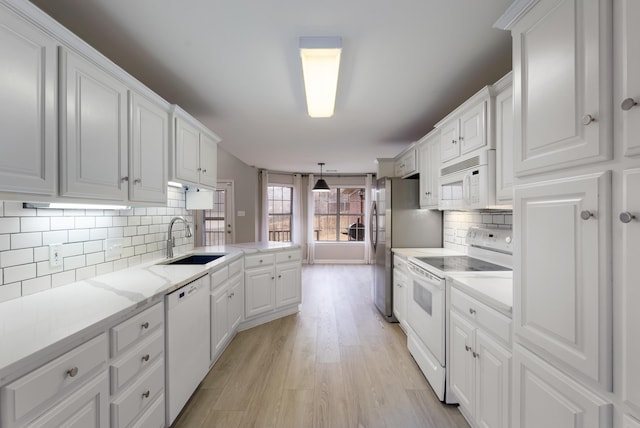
{"x": 426, "y": 313}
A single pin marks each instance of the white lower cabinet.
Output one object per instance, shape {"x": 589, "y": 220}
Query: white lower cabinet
{"x": 546, "y": 397}
{"x": 226, "y": 306}
{"x": 400, "y": 287}
{"x": 479, "y": 365}
{"x": 50, "y": 393}
{"x": 260, "y": 293}
{"x": 288, "y": 277}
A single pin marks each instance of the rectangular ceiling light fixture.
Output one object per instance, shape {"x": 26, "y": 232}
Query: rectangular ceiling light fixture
{"x": 320, "y": 65}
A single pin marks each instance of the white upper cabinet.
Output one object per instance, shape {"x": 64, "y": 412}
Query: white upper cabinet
{"x": 630, "y": 219}
{"x": 465, "y": 129}
{"x": 429, "y": 163}
{"x": 562, "y": 301}
{"x": 629, "y": 102}
{"x": 406, "y": 164}
{"x": 148, "y": 150}
{"x": 93, "y": 131}
{"x": 28, "y": 113}
{"x": 194, "y": 151}
{"x": 562, "y": 81}
{"x": 504, "y": 145}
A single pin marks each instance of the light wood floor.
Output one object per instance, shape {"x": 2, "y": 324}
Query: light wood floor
{"x": 337, "y": 363}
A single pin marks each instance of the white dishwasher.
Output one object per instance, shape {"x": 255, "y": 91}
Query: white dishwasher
{"x": 187, "y": 350}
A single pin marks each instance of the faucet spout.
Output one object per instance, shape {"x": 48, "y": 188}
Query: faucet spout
{"x": 170, "y": 239}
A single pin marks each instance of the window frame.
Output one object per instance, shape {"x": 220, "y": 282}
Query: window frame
{"x": 271, "y": 215}
{"x": 338, "y": 214}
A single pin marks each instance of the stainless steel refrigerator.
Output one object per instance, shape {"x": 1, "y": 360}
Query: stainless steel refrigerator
{"x": 398, "y": 222}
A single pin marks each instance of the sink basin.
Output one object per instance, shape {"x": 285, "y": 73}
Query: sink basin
{"x": 195, "y": 259}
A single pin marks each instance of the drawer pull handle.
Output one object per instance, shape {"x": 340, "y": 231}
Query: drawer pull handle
{"x": 626, "y": 217}
{"x": 146, "y": 394}
{"x": 72, "y": 372}
{"x": 628, "y": 103}
{"x": 472, "y": 311}
{"x": 467, "y": 348}
{"x": 145, "y": 324}
{"x": 145, "y": 357}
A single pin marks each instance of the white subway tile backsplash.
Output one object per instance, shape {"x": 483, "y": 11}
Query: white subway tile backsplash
{"x": 9, "y": 225}
{"x": 74, "y": 262}
{"x": 19, "y": 273}
{"x": 26, "y": 240}
{"x": 27, "y": 233}
{"x": 34, "y": 224}
{"x": 60, "y": 223}
{"x": 57, "y": 237}
{"x": 63, "y": 278}
{"x": 16, "y": 257}
{"x": 36, "y": 285}
{"x": 456, "y": 224}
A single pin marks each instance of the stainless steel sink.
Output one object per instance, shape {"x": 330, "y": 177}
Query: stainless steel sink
{"x": 195, "y": 259}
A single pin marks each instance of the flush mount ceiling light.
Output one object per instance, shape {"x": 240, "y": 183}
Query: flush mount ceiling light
{"x": 321, "y": 185}
{"x": 320, "y": 65}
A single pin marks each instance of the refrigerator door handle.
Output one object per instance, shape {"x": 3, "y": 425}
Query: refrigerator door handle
{"x": 373, "y": 232}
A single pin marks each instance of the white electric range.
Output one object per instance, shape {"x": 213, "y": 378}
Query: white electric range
{"x": 489, "y": 252}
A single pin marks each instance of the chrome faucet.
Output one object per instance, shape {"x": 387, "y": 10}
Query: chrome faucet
{"x": 171, "y": 241}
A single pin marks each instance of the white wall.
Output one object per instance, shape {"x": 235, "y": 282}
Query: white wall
{"x": 25, "y": 236}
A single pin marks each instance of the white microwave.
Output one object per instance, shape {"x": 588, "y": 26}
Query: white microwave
{"x": 470, "y": 183}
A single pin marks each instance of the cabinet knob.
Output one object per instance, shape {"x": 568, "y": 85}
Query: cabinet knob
{"x": 475, "y": 354}
{"x": 279, "y": 276}
{"x": 453, "y": 141}
{"x": 144, "y": 325}
{"x": 204, "y": 171}
{"x": 467, "y": 348}
{"x": 72, "y": 372}
{"x": 125, "y": 179}
{"x": 628, "y": 104}
{"x": 137, "y": 181}
{"x": 460, "y": 138}
{"x": 586, "y": 215}
{"x": 273, "y": 277}
{"x": 626, "y": 217}
{"x": 260, "y": 260}
{"x": 472, "y": 311}
{"x": 146, "y": 394}
{"x": 587, "y": 119}
{"x": 145, "y": 357}
{"x": 427, "y": 193}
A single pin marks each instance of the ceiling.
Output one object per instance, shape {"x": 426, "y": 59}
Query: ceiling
{"x": 234, "y": 65}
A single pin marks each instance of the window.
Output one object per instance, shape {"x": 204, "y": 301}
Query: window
{"x": 214, "y": 230}
{"x": 339, "y": 215}
{"x": 280, "y": 211}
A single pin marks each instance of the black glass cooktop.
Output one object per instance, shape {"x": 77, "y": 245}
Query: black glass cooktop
{"x": 461, "y": 264}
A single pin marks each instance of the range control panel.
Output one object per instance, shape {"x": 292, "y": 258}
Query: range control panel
{"x": 492, "y": 239}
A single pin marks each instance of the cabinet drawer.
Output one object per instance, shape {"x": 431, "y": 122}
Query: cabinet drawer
{"x": 153, "y": 417}
{"x": 129, "y": 365}
{"x": 138, "y": 396}
{"x": 261, "y": 259}
{"x": 219, "y": 276}
{"x": 486, "y": 317}
{"x": 136, "y": 328}
{"x": 235, "y": 268}
{"x": 54, "y": 379}
{"x": 288, "y": 256}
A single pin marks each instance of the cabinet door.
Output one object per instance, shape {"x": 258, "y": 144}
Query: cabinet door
{"x": 187, "y": 151}
{"x": 630, "y": 290}
{"x": 449, "y": 147}
{"x": 429, "y": 164}
{"x": 504, "y": 146}
{"x": 546, "y": 397}
{"x": 462, "y": 362}
{"x": 28, "y": 113}
{"x": 630, "y": 76}
{"x": 208, "y": 160}
{"x": 473, "y": 132}
{"x": 562, "y": 274}
{"x": 434, "y": 173}
{"x": 289, "y": 280}
{"x": 562, "y": 94}
{"x": 493, "y": 383}
{"x": 259, "y": 285}
{"x": 219, "y": 320}
{"x": 630, "y": 422}
{"x": 86, "y": 408}
{"x": 400, "y": 296}
{"x": 148, "y": 151}
{"x": 236, "y": 302}
{"x": 94, "y": 143}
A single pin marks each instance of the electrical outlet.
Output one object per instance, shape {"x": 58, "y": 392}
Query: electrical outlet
{"x": 55, "y": 255}
{"x": 113, "y": 248}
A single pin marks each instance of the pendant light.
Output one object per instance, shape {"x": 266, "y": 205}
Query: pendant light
{"x": 321, "y": 185}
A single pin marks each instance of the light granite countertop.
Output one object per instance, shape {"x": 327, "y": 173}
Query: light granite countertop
{"x": 36, "y": 327}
